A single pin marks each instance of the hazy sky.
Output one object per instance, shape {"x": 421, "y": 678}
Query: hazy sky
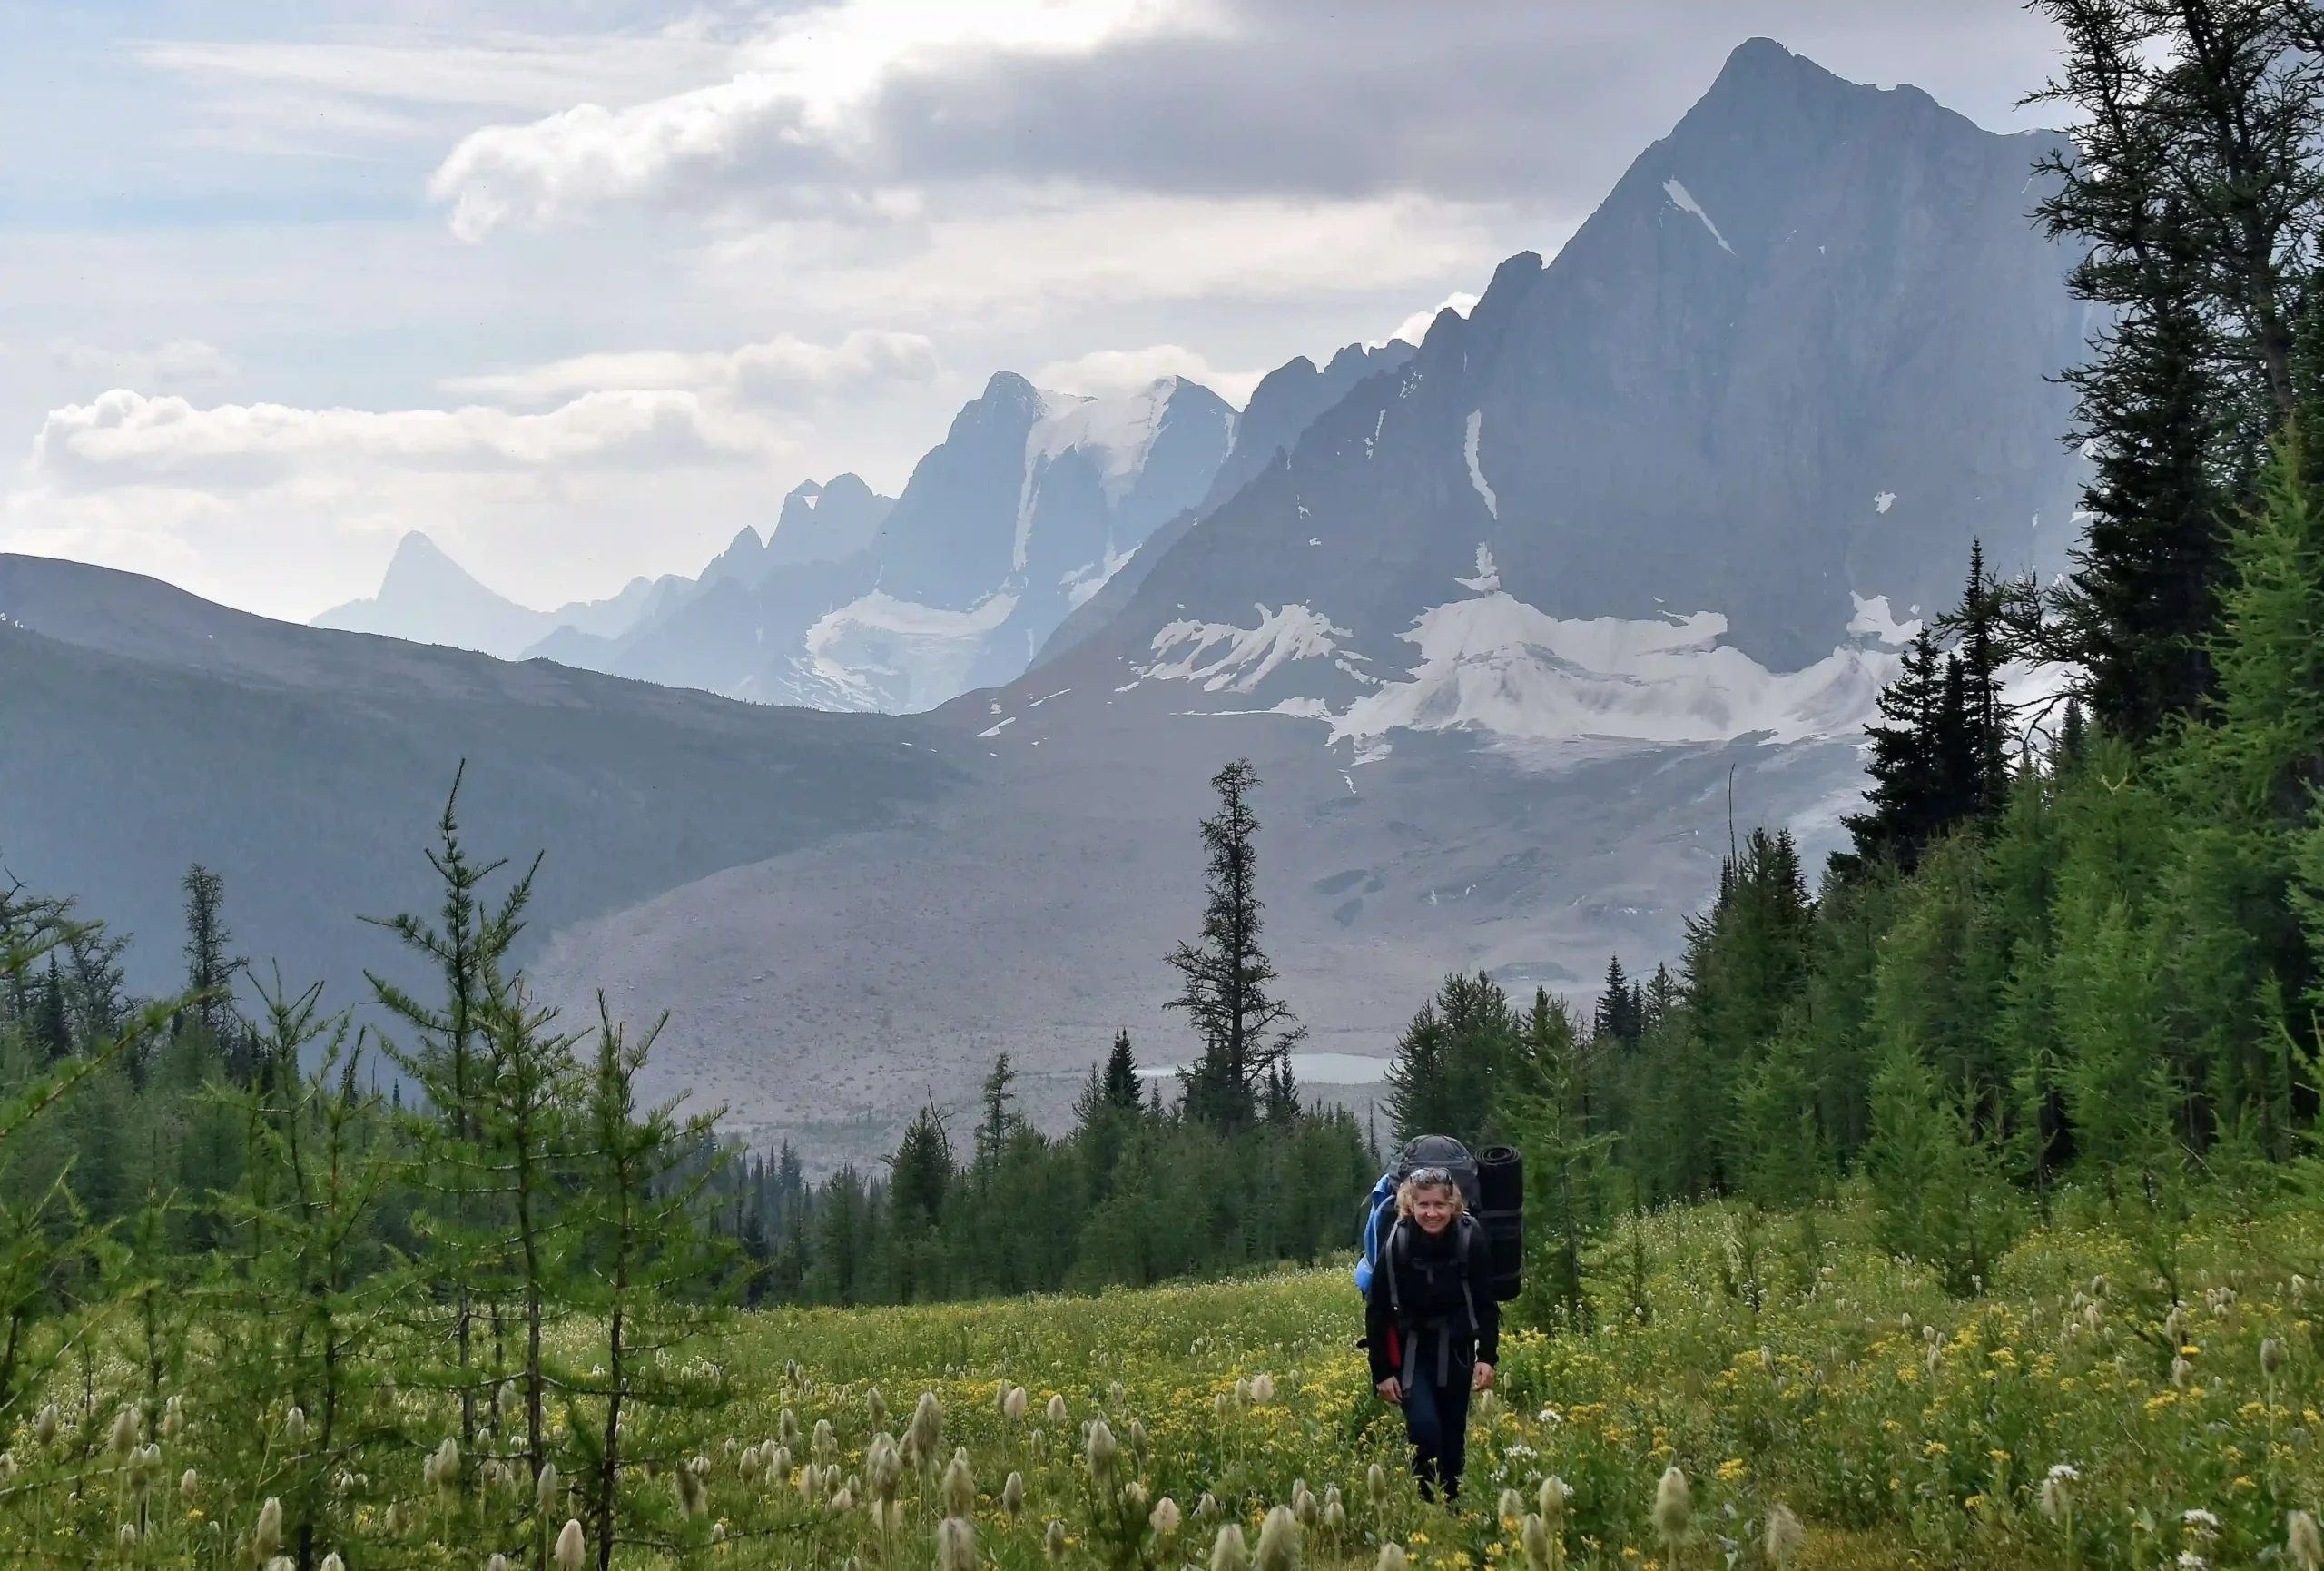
{"x": 581, "y": 288}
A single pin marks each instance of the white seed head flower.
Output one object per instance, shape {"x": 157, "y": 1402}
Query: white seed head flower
{"x": 1261, "y": 1389}
{"x": 1552, "y": 1499}
{"x": 45, "y": 1424}
{"x": 778, "y": 1466}
{"x": 267, "y": 1537}
{"x": 1278, "y": 1541}
{"x": 786, "y": 1429}
{"x": 1392, "y": 1558}
{"x": 1510, "y": 1509}
{"x": 925, "y": 1434}
{"x": 1053, "y": 1541}
{"x": 124, "y": 1434}
{"x": 7, "y": 1465}
{"x": 1056, "y": 1410}
{"x": 545, "y": 1489}
{"x": 2200, "y": 1522}
{"x": 1375, "y": 1483}
{"x": 443, "y": 1467}
{"x": 1014, "y": 1406}
{"x": 126, "y": 1536}
{"x": 959, "y": 1486}
{"x": 2271, "y": 1357}
{"x": 331, "y": 1562}
{"x": 2182, "y": 1373}
{"x": 1303, "y": 1503}
{"x": 1674, "y": 1506}
{"x": 875, "y": 1407}
{"x": 1785, "y": 1533}
{"x": 498, "y": 1561}
{"x": 2057, "y": 1492}
{"x": 1102, "y": 1451}
{"x": 884, "y": 1467}
{"x": 844, "y": 1501}
{"x": 294, "y": 1426}
{"x": 826, "y": 1442}
{"x": 1012, "y": 1495}
{"x": 1221, "y": 1404}
{"x": 1207, "y": 1509}
{"x": 1164, "y": 1519}
{"x": 2303, "y": 1545}
{"x": 570, "y": 1548}
{"x": 282, "y": 1562}
{"x": 188, "y": 1485}
{"x": 956, "y": 1545}
{"x": 1229, "y": 1553}
{"x": 692, "y": 1499}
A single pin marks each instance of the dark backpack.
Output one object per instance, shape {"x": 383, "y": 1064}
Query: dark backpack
{"x": 1494, "y": 1189}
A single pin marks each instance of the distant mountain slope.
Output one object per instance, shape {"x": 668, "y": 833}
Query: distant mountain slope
{"x": 1032, "y": 501}
{"x": 427, "y": 598}
{"x": 1287, "y": 401}
{"x": 149, "y": 729}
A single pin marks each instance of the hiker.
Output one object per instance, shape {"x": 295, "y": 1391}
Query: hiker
{"x": 1432, "y": 1325}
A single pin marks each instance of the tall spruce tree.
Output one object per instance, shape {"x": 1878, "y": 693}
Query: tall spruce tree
{"x": 1225, "y": 980}
{"x": 2193, "y": 181}
{"x": 1451, "y": 1066}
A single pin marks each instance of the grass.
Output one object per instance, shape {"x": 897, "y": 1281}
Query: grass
{"x": 1773, "y": 1360}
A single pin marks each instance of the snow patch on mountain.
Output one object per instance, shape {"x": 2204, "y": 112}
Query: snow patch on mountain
{"x": 898, "y": 655}
{"x": 1238, "y": 659}
{"x": 1488, "y": 577}
{"x": 1496, "y": 664}
{"x": 1684, "y": 202}
{"x": 1493, "y": 663}
{"x": 1476, "y": 475}
{"x": 1087, "y": 579}
{"x": 1115, "y": 434}
{"x": 1874, "y": 619}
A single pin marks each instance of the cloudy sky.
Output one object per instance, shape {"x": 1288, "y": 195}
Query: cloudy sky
{"x": 581, "y": 288}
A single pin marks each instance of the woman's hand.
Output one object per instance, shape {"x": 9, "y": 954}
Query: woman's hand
{"x": 1390, "y": 1389}
{"x": 1482, "y": 1379}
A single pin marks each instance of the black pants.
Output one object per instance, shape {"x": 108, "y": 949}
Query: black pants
{"x": 1436, "y": 1421}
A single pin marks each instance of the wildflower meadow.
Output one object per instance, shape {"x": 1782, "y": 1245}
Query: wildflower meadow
{"x": 1759, "y": 1391}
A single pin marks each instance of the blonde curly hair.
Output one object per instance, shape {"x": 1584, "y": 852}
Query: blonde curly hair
{"x": 1409, "y": 1191}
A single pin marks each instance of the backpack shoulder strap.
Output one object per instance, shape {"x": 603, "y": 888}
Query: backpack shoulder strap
{"x": 1471, "y": 1235}
{"x": 1388, "y": 1263}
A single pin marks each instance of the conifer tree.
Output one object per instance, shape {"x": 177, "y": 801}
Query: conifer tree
{"x": 51, "y": 1027}
{"x": 1547, "y": 1116}
{"x": 640, "y": 1206}
{"x": 2193, "y": 181}
{"x": 1448, "y": 1072}
{"x": 1121, "y": 1087}
{"x": 450, "y": 1062}
{"x": 1227, "y": 981}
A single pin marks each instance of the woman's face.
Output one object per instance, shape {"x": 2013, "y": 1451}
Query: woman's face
{"x": 1433, "y": 1208}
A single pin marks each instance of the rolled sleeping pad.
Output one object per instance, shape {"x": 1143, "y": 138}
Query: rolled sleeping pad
{"x": 1500, "y": 1185}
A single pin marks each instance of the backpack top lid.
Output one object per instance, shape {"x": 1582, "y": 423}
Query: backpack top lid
{"x": 1441, "y": 1151}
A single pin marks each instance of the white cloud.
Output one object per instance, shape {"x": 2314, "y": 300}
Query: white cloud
{"x": 1414, "y": 328}
{"x": 809, "y": 82}
{"x": 779, "y": 370}
{"x": 1015, "y": 259}
{"x": 1112, "y": 373}
{"x": 129, "y": 438}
